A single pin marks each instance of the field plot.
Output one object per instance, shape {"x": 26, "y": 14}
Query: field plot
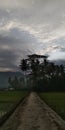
{"x": 56, "y": 101}
{"x": 9, "y": 99}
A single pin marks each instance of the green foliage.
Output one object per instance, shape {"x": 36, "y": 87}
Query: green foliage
{"x": 56, "y": 101}
{"x": 4, "y": 76}
{"x": 15, "y": 83}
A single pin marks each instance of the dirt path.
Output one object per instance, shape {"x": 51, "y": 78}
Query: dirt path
{"x": 35, "y": 115}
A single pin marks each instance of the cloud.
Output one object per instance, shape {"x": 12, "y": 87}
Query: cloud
{"x": 59, "y": 62}
{"x": 15, "y": 43}
{"x": 57, "y": 55}
{"x": 8, "y": 59}
{"x": 15, "y": 3}
{"x": 31, "y": 26}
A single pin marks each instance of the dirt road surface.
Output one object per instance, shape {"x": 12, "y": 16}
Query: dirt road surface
{"x": 34, "y": 114}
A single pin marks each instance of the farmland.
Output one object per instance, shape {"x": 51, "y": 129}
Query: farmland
{"x": 8, "y": 99}
{"x": 56, "y": 101}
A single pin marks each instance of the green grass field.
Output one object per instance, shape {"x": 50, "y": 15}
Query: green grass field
{"x": 56, "y": 101}
{"x": 8, "y": 99}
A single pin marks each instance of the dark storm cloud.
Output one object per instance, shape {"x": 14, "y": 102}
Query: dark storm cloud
{"x": 7, "y": 40}
{"x": 17, "y": 36}
{"x": 7, "y": 59}
{"x": 14, "y": 46}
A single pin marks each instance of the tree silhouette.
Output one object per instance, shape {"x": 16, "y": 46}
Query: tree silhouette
{"x": 24, "y": 67}
{"x": 44, "y": 75}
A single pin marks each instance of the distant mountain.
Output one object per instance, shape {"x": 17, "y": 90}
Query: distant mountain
{"x": 5, "y": 75}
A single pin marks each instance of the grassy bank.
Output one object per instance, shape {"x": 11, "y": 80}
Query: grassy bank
{"x": 56, "y": 101}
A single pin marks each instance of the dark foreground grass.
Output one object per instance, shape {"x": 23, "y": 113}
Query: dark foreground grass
{"x": 56, "y": 101}
{"x": 11, "y": 96}
{"x": 8, "y": 99}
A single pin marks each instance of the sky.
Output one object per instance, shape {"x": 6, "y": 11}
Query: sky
{"x": 31, "y": 26}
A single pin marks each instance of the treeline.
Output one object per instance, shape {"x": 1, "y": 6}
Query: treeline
{"x": 16, "y": 83}
{"x": 42, "y": 74}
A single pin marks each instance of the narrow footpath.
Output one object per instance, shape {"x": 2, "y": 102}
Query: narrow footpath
{"x": 34, "y": 114}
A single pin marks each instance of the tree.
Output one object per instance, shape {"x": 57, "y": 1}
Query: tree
{"x": 24, "y": 67}
{"x": 33, "y": 64}
{"x": 14, "y": 83}
{"x": 9, "y": 80}
{"x": 44, "y": 75}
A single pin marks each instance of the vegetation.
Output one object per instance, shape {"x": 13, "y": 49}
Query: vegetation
{"x": 43, "y": 75}
{"x": 56, "y": 101}
{"x": 8, "y": 99}
{"x": 4, "y": 76}
{"x": 15, "y": 83}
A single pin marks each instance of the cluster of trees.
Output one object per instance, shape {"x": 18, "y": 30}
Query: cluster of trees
{"x": 16, "y": 83}
{"x": 43, "y": 75}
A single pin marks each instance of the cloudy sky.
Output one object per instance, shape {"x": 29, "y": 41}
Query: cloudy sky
{"x": 31, "y": 26}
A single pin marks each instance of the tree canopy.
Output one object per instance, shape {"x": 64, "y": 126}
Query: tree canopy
{"x": 44, "y": 75}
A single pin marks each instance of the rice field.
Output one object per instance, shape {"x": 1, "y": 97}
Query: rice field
{"x": 56, "y": 101}
{"x": 8, "y": 99}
